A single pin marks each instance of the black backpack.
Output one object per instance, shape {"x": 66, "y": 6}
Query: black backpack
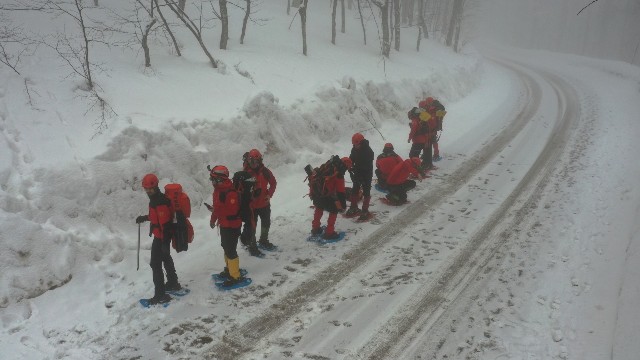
{"x": 318, "y": 176}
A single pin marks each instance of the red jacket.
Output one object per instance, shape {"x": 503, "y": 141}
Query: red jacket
{"x": 386, "y": 163}
{"x": 413, "y": 134}
{"x": 160, "y": 215}
{"x": 401, "y": 171}
{"x": 265, "y": 186}
{"x": 226, "y": 205}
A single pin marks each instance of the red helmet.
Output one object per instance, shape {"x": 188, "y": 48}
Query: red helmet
{"x": 150, "y": 181}
{"x": 416, "y": 161}
{"x": 388, "y": 146}
{"x": 347, "y": 162}
{"x": 429, "y": 100}
{"x": 219, "y": 173}
{"x": 423, "y": 104}
{"x": 357, "y": 138}
{"x": 255, "y": 154}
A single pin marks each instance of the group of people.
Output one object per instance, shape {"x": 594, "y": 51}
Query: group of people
{"x": 245, "y": 197}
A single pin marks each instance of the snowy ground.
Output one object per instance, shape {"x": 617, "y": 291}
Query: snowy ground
{"x": 523, "y": 245}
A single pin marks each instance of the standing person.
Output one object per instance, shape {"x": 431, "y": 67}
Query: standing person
{"x": 398, "y": 182}
{"x": 438, "y": 111}
{"x": 361, "y": 175}
{"x": 327, "y": 191}
{"x": 263, "y": 190}
{"x": 226, "y": 214}
{"x": 385, "y": 162}
{"x": 160, "y": 217}
{"x": 419, "y": 131}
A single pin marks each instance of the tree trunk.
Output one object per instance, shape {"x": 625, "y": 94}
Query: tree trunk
{"x": 419, "y": 39}
{"x": 246, "y": 20}
{"x": 396, "y": 10}
{"x": 95, "y": 3}
{"x": 193, "y": 28}
{"x": 224, "y": 18}
{"x": 145, "y": 45}
{"x": 303, "y": 22}
{"x": 456, "y": 38}
{"x": 342, "y": 29}
{"x": 87, "y": 64}
{"x": 364, "y": 30}
{"x": 182, "y": 4}
{"x": 386, "y": 43}
{"x": 421, "y": 22}
{"x": 334, "y": 8}
{"x": 166, "y": 26}
{"x": 456, "y": 15}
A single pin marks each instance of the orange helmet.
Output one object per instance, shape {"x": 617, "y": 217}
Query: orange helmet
{"x": 150, "y": 181}
{"x": 347, "y": 162}
{"x": 255, "y": 154}
{"x": 219, "y": 173}
{"x": 357, "y": 138}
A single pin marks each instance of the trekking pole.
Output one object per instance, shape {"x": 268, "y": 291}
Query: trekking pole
{"x": 138, "y": 268}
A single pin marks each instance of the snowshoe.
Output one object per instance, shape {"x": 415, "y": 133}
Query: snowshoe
{"x": 266, "y": 245}
{"x": 254, "y": 251}
{"x": 224, "y": 275}
{"x": 437, "y": 158}
{"x": 353, "y": 211}
{"x": 381, "y": 189}
{"x": 156, "y": 300}
{"x": 364, "y": 216}
{"x": 230, "y": 284}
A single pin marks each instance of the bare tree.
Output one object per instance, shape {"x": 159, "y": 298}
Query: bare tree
{"x": 193, "y": 28}
{"x": 342, "y": 10}
{"x": 247, "y": 12}
{"x": 13, "y": 44}
{"x": 396, "y": 12}
{"x": 167, "y": 28}
{"x": 334, "y": 7}
{"x": 455, "y": 23}
{"x": 224, "y": 19}
{"x": 364, "y": 30}
{"x": 303, "y": 22}
{"x": 383, "y": 6}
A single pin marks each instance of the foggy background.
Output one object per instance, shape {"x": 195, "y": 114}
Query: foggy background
{"x": 608, "y": 29}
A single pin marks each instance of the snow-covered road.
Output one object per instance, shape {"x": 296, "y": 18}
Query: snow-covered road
{"x": 382, "y": 297}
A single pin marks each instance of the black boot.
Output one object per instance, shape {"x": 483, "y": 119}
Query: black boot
{"x": 253, "y": 249}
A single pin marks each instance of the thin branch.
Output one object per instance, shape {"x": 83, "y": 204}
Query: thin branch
{"x": 585, "y": 7}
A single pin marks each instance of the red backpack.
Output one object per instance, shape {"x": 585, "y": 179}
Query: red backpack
{"x": 181, "y": 205}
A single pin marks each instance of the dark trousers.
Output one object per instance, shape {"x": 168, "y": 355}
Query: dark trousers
{"x": 161, "y": 254}
{"x": 229, "y": 241}
{"x": 251, "y": 222}
{"x": 399, "y": 192}
{"x": 426, "y": 150}
{"x": 364, "y": 184}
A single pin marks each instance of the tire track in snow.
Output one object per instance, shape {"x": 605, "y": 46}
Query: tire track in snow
{"x": 427, "y": 305}
{"x": 245, "y": 338}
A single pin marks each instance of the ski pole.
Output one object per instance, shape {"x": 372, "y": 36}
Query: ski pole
{"x": 138, "y": 268}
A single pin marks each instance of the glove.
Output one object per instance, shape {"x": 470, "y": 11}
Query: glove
{"x": 409, "y": 140}
{"x": 212, "y": 225}
{"x": 142, "y": 218}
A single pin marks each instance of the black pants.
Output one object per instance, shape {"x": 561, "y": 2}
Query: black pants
{"x": 229, "y": 241}
{"x": 365, "y": 184}
{"x": 399, "y": 192}
{"x": 426, "y": 150}
{"x": 161, "y": 254}
{"x": 250, "y": 224}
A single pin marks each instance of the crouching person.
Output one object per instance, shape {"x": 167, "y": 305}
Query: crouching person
{"x": 398, "y": 181}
